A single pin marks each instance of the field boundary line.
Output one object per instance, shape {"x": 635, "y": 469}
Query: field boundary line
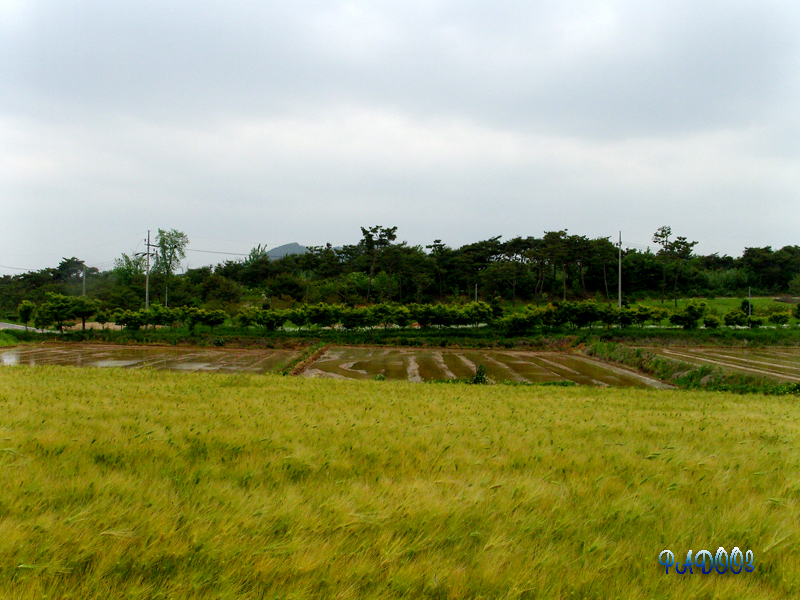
{"x": 308, "y": 361}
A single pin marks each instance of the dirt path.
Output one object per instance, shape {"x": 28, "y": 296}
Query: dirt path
{"x": 439, "y": 360}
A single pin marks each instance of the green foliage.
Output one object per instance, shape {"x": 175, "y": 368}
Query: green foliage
{"x": 521, "y": 323}
{"x": 780, "y": 318}
{"x": 480, "y": 376}
{"x": 6, "y": 339}
{"x": 382, "y": 314}
{"x": 83, "y": 308}
{"x": 711, "y": 322}
{"x": 126, "y": 268}
{"x": 212, "y": 318}
{"x": 26, "y": 311}
{"x": 58, "y": 309}
{"x": 103, "y": 316}
{"x": 626, "y": 316}
{"x": 171, "y": 250}
{"x": 735, "y": 318}
{"x": 160, "y": 315}
{"x": 130, "y": 320}
{"x": 266, "y": 320}
{"x": 689, "y": 317}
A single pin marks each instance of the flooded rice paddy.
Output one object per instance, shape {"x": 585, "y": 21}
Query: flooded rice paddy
{"x": 777, "y": 363}
{"x": 428, "y": 364}
{"x": 417, "y": 364}
{"x": 342, "y": 362}
{"x": 172, "y": 359}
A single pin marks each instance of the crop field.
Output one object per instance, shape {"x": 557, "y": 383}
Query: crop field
{"x": 782, "y": 364}
{"x": 173, "y": 359}
{"x": 122, "y": 483}
{"x": 427, "y": 365}
{"x": 339, "y": 362}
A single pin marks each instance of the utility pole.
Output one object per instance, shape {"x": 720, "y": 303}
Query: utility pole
{"x": 84, "y": 279}
{"x": 476, "y": 292}
{"x": 619, "y": 277}
{"x": 147, "y": 276}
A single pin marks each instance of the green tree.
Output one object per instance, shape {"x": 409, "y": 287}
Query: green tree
{"x": 689, "y": 317}
{"x": 60, "y": 308}
{"x": 83, "y": 308}
{"x": 160, "y": 315}
{"x": 356, "y": 318}
{"x": 42, "y": 318}
{"x": 102, "y": 316}
{"x": 675, "y": 254}
{"x": 130, "y": 319}
{"x": 735, "y": 318}
{"x": 374, "y": 241}
{"x": 272, "y": 319}
{"x": 626, "y": 316}
{"x": 213, "y": 318}
{"x": 402, "y": 316}
{"x": 661, "y": 238}
{"x": 127, "y": 267}
{"x": 171, "y": 250}
{"x": 191, "y": 317}
{"x": 382, "y": 314}
{"x": 754, "y": 322}
{"x": 25, "y": 311}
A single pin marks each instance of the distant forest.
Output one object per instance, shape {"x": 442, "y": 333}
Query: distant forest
{"x": 378, "y": 268}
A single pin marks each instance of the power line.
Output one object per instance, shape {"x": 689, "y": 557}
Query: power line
{"x": 37, "y": 255}
{"x": 215, "y": 252}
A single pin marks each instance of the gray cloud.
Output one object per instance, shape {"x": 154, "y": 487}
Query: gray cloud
{"x": 460, "y": 120}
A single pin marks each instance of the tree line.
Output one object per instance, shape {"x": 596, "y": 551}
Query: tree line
{"x": 557, "y": 266}
{"x": 60, "y": 310}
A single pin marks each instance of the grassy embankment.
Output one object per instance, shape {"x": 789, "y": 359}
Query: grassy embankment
{"x": 762, "y": 305}
{"x": 688, "y": 375}
{"x": 7, "y": 339}
{"x": 145, "y": 484}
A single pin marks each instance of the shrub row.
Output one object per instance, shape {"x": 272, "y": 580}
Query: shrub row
{"x": 378, "y": 315}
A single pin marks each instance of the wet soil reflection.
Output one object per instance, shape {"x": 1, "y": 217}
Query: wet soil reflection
{"x": 174, "y": 359}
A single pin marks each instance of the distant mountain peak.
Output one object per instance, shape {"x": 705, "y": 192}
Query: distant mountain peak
{"x": 286, "y": 250}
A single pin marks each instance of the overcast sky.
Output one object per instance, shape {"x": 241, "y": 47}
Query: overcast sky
{"x": 242, "y": 123}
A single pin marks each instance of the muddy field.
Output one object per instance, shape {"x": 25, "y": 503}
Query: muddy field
{"x": 342, "y": 362}
{"x": 427, "y": 365}
{"x": 178, "y": 359}
{"x": 778, "y": 363}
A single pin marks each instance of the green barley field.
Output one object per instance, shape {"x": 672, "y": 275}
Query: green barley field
{"x": 147, "y": 484}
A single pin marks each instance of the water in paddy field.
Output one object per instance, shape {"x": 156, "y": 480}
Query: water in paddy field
{"x": 400, "y": 364}
{"x": 427, "y": 365}
{"x": 782, "y": 364}
{"x": 171, "y": 359}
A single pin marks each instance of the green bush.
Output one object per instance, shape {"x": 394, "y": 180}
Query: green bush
{"x": 780, "y": 318}
{"x": 689, "y": 317}
{"x": 735, "y": 318}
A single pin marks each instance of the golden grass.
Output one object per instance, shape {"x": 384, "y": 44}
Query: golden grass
{"x": 146, "y": 484}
